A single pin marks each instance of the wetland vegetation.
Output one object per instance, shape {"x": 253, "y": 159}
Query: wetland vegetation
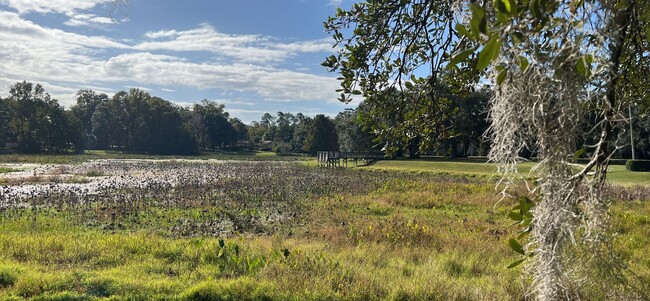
{"x": 264, "y": 230}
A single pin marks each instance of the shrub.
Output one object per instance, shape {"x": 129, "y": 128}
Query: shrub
{"x": 7, "y": 278}
{"x": 638, "y": 165}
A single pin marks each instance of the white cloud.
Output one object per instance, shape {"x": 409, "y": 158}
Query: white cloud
{"x": 52, "y": 6}
{"x": 88, "y": 19}
{"x": 245, "y": 48}
{"x": 64, "y": 61}
{"x": 335, "y": 2}
{"x": 270, "y": 83}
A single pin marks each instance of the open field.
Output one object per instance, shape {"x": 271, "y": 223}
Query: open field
{"x": 617, "y": 174}
{"x": 213, "y": 230}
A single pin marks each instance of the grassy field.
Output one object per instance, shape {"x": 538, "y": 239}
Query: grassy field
{"x": 617, "y": 174}
{"x": 297, "y": 233}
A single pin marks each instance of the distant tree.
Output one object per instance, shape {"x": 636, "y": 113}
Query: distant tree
{"x": 108, "y": 122}
{"x": 5, "y": 117}
{"x": 240, "y": 128}
{"x": 285, "y": 125}
{"x": 256, "y": 131}
{"x": 300, "y": 133}
{"x": 321, "y": 135}
{"x": 351, "y": 134}
{"x": 75, "y": 133}
{"x": 217, "y": 130}
{"x": 163, "y": 131}
{"x": 36, "y": 121}
{"x": 268, "y": 122}
{"x": 87, "y": 102}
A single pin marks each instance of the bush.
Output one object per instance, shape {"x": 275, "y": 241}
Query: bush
{"x": 638, "y": 165}
{"x": 7, "y": 278}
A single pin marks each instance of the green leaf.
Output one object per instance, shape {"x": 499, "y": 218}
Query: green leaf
{"x": 516, "y": 246}
{"x": 502, "y": 76}
{"x": 583, "y": 65}
{"x": 523, "y": 63}
{"x": 462, "y": 30}
{"x": 459, "y": 57}
{"x": 516, "y": 263}
{"x": 222, "y": 243}
{"x": 575, "y": 4}
{"x": 535, "y": 9}
{"x": 515, "y": 216}
{"x": 478, "y": 24}
{"x": 579, "y": 153}
{"x": 502, "y": 6}
{"x": 409, "y": 85}
{"x": 489, "y": 52}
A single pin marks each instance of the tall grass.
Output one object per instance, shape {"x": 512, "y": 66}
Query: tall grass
{"x": 360, "y": 236}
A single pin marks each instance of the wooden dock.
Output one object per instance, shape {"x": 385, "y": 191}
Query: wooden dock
{"x": 340, "y": 159}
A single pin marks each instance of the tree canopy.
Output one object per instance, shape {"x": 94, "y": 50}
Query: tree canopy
{"x": 549, "y": 63}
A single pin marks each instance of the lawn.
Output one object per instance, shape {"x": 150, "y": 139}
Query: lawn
{"x": 617, "y": 174}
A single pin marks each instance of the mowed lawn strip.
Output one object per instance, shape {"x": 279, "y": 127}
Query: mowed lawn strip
{"x": 617, "y": 174}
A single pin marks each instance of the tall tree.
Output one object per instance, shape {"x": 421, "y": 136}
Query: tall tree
{"x": 87, "y": 102}
{"x": 5, "y": 117}
{"x": 217, "y": 130}
{"x": 352, "y": 137}
{"x": 36, "y": 122}
{"x": 543, "y": 59}
{"x": 321, "y": 135}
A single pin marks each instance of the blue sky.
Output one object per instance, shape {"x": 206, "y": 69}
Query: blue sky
{"x": 253, "y": 56}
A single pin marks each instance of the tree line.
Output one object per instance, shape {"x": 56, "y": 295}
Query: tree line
{"x": 32, "y": 122}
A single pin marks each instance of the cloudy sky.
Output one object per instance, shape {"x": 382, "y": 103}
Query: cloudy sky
{"x": 254, "y": 56}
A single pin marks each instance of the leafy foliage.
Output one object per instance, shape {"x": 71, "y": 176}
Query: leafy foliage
{"x": 548, "y": 62}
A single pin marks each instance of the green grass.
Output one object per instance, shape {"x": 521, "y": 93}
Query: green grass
{"x": 408, "y": 239}
{"x": 617, "y": 174}
{"x": 434, "y": 236}
{"x": 7, "y": 170}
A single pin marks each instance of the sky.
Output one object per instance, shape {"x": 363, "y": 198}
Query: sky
{"x": 253, "y": 56}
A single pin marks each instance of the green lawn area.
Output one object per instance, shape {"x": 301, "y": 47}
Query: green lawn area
{"x": 6, "y": 169}
{"x": 617, "y": 173}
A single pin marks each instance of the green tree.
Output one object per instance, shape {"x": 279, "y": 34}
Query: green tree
{"x": 217, "y": 131}
{"x": 544, "y": 60}
{"x": 87, "y": 102}
{"x": 36, "y": 122}
{"x": 5, "y": 117}
{"x": 300, "y": 133}
{"x": 241, "y": 130}
{"x": 351, "y": 134}
{"x": 162, "y": 130}
{"x": 321, "y": 135}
